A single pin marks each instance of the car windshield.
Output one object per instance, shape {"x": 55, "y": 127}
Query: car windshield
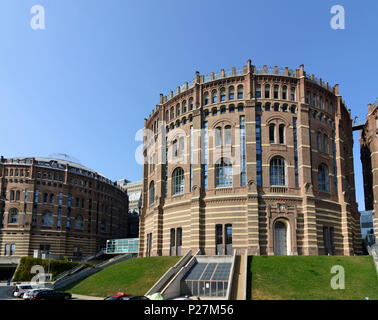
{"x": 111, "y": 298}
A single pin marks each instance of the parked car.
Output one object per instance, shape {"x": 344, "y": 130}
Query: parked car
{"x": 21, "y": 289}
{"x": 51, "y": 295}
{"x": 28, "y": 294}
{"x": 118, "y": 296}
{"x": 125, "y": 296}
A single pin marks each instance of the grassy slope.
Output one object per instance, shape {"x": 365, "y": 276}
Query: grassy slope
{"x": 308, "y": 277}
{"x": 134, "y": 276}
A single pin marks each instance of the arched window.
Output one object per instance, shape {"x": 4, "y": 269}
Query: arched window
{"x": 184, "y": 106}
{"x": 258, "y": 91}
{"x": 284, "y": 93}
{"x": 319, "y": 141}
{"x": 223, "y": 173}
{"x": 47, "y": 219}
{"x": 191, "y": 104}
{"x": 218, "y": 136}
{"x": 79, "y": 223}
{"x": 178, "y": 181}
{"x": 214, "y": 96}
{"x": 281, "y": 133}
{"x": 325, "y": 143}
{"x": 227, "y": 135}
{"x": 272, "y": 133}
{"x": 152, "y": 192}
{"x": 12, "y": 195}
{"x": 231, "y": 93}
{"x": 17, "y": 195}
{"x": 323, "y": 178}
{"x": 277, "y": 172}
{"x": 178, "y": 110}
{"x": 214, "y": 111}
{"x": 172, "y": 113}
{"x": 240, "y": 92}
{"x": 292, "y": 94}
{"x": 275, "y": 92}
{"x": 267, "y": 91}
{"x": 13, "y": 216}
{"x": 206, "y": 98}
{"x": 223, "y": 94}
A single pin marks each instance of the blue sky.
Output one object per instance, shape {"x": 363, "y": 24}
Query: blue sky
{"x": 84, "y": 84}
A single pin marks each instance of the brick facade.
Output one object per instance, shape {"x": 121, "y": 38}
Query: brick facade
{"x": 301, "y": 108}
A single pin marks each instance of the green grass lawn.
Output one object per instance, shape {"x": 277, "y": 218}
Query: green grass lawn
{"x": 309, "y": 278}
{"x": 135, "y": 276}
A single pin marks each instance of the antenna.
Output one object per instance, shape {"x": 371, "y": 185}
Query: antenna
{"x": 64, "y": 156}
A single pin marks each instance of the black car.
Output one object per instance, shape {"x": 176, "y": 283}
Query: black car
{"x": 51, "y": 295}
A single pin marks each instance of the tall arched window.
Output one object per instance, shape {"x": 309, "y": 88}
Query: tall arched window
{"x": 191, "y": 104}
{"x": 277, "y": 172}
{"x": 281, "y": 133}
{"x": 292, "y": 94}
{"x": 214, "y": 96}
{"x": 13, "y": 216}
{"x": 258, "y": 91}
{"x": 218, "y": 136}
{"x": 79, "y": 223}
{"x": 284, "y": 92}
{"x": 152, "y": 192}
{"x": 178, "y": 181}
{"x": 206, "y": 98}
{"x": 323, "y": 178}
{"x": 184, "y": 106}
{"x": 223, "y": 94}
{"x": 325, "y": 143}
{"x": 240, "y": 92}
{"x": 272, "y": 133}
{"x": 172, "y": 113}
{"x": 177, "y": 110}
{"x": 223, "y": 173}
{"x": 267, "y": 91}
{"x": 47, "y": 219}
{"x": 275, "y": 92}
{"x": 227, "y": 135}
{"x": 319, "y": 141}
{"x": 231, "y": 93}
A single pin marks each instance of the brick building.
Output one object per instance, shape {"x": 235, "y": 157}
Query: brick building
{"x": 258, "y": 159}
{"x": 59, "y": 207}
{"x": 369, "y": 159}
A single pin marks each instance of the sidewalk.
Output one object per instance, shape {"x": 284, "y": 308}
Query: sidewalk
{"x": 81, "y": 297}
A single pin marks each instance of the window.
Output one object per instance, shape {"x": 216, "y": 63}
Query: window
{"x": 17, "y": 195}
{"x": 214, "y": 97}
{"x": 223, "y": 173}
{"x": 47, "y": 219}
{"x": 223, "y": 94}
{"x": 11, "y": 195}
{"x": 267, "y": 91}
{"x": 272, "y": 129}
{"x": 218, "y": 136}
{"x": 26, "y": 195}
{"x": 240, "y": 92}
{"x": 319, "y": 141}
{"x": 214, "y": 111}
{"x": 177, "y": 110}
{"x": 284, "y": 92}
{"x": 231, "y": 108}
{"x": 191, "y": 104}
{"x": 275, "y": 92}
{"x": 172, "y": 113}
{"x": 308, "y": 97}
{"x": 152, "y": 192}
{"x": 231, "y": 93}
{"x": 13, "y": 216}
{"x": 292, "y": 94}
{"x": 277, "y": 172}
{"x": 206, "y": 98}
{"x": 178, "y": 181}
{"x": 258, "y": 91}
{"x": 326, "y": 106}
{"x": 281, "y": 133}
{"x": 323, "y": 178}
{"x": 45, "y": 197}
{"x": 223, "y": 110}
{"x": 51, "y": 198}
{"x": 184, "y": 106}
{"x": 227, "y": 135}
{"x": 325, "y": 144}
{"x": 79, "y": 223}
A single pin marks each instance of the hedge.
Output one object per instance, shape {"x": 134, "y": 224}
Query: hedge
{"x": 56, "y": 267}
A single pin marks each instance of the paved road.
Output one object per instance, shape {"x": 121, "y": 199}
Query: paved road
{"x": 6, "y": 292}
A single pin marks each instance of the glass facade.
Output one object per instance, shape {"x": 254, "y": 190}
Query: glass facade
{"x": 122, "y": 246}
